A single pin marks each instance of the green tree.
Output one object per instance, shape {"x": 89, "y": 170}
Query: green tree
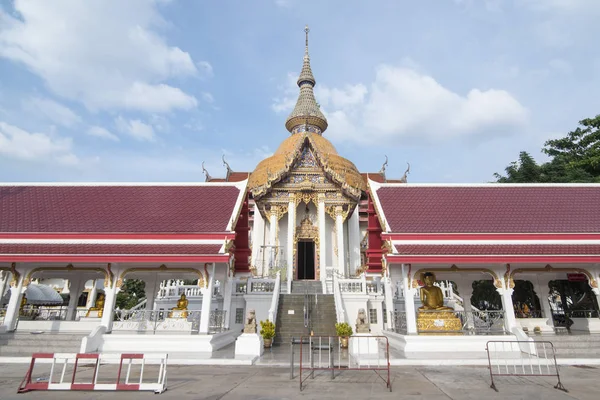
{"x": 131, "y": 293}
{"x": 574, "y": 158}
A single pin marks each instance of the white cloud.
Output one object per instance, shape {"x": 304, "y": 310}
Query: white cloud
{"x": 402, "y": 102}
{"x": 22, "y": 145}
{"x": 52, "y": 110}
{"x": 136, "y": 129}
{"x": 207, "y": 97}
{"x": 283, "y": 3}
{"x": 290, "y": 94}
{"x": 106, "y": 54}
{"x": 206, "y": 70}
{"x": 103, "y": 133}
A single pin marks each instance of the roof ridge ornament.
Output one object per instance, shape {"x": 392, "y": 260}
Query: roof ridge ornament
{"x": 307, "y": 109}
{"x": 229, "y": 170}
{"x": 206, "y": 174}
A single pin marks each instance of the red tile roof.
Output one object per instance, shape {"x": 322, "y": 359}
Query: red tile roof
{"x": 116, "y": 209}
{"x": 508, "y": 249}
{"x": 111, "y": 249}
{"x": 491, "y": 209}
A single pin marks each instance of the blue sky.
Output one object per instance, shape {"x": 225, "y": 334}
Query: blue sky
{"x": 111, "y": 90}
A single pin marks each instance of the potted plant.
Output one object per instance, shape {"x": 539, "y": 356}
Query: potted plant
{"x": 267, "y": 331}
{"x": 343, "y": 330}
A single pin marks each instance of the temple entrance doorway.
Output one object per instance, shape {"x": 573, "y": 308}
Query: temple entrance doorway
{"x": 306, "y": 259}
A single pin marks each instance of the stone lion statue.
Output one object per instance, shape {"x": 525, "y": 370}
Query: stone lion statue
{"x": 362, "y": 323}
{"x": 250, "y": 326}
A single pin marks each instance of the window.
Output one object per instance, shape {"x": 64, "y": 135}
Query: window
{"x": 239, "y": 315}
{"x": 384, "y": 315}
{"x": 372, "y": 315}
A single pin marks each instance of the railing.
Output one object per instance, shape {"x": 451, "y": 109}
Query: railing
{"x": 446, "y": 286}
{"x": 472, "y": 322}
{"x": 153, "y": 321}
{"x": 275, "y": 299}
{"x": 351, "y": 286}
{"x": 582, "y": 314}
{"x": 529, "y": 314}
{"x": 375, "y": 288}
{"x": 216, "y": 321}
{"x": 339, "y": 304}
{"x": 44, "y": 314}
{"x": 261, "y": 286}
{"x": 175, "y": 288}
{"x": 398, "y": 322}
{"x": 241, "y": 287}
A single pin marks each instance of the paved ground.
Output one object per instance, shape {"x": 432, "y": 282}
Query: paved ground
{"x": 209, "y": 382}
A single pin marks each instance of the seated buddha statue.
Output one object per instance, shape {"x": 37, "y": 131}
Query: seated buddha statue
{"x": 432, "y": 296}
{"x": 98, "y": 306}
{"x": 182, "y": 304}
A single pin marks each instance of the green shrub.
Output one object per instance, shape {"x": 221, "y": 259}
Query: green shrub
{"x": 343, "y": 329}
{"x": 267, "y": 329}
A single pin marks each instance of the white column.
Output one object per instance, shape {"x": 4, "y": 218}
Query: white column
{"x": 510, "y": 321}
{"x": 75, "y": 289}
{"x": 322, "y": 237}
{"x": 12, "y": 309}
{"x": 466, "y": 290}
{"x": 354, "y": 241}
{"x": 110, "y": 299}
{"x": 409, "y": 302}
{"x": 91, "y": 301}
{"x": 3, "y": 282}
{"x": 290, "y": 243}
{"x": 258, "y": 236}
{"x": 273, "y": 228}
{"x": 540, "y": 286}
{"x": 206, "y": 302}
{"x": 228, "y": 292}
{"x": 389, "y": 300}
{"x": 150, "y": 289}
{"x": 339, "y": 227}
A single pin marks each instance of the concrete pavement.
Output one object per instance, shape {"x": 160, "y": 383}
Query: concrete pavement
{"x": 229, "y": 383}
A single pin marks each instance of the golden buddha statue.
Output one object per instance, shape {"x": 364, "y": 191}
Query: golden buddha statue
{"x": 98, "y": 306}
{"x": 431, "y": 295}
{"x": 182, "y": 304}
{"x": 433, "y": 316}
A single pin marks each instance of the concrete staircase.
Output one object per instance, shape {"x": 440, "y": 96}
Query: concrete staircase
{"x": 307, "y": 287}
{"x": 23, "y": 344}
{"x": 573, "y": 346}
{"x": 321, "y": 311}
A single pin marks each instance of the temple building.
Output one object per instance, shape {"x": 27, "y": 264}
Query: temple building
{"x": 507, "y": 259}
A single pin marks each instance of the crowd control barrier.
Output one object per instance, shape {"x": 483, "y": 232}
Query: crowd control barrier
{"x": 522, "y": 358}
{"x": 59, "y": 378}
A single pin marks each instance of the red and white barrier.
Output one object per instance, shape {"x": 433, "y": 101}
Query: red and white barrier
{"x": 122, "y": 382}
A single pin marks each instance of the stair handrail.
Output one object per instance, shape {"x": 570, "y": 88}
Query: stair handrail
{"x": 337, "y": 298}
{"x": 275, "y": 298}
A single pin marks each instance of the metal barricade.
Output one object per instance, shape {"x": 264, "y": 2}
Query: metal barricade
{"x": 522, "y": 358}
{"x": 59, "y": 378}
{"x": 326, "y": 353}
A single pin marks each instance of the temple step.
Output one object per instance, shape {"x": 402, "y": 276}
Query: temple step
{"x": 290, "y": 316}
{"x": 307, "y": 287}
{"x": 24, "y": 344}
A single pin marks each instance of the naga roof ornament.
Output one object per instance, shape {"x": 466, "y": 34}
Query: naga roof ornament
{"x": 307, "y": 113}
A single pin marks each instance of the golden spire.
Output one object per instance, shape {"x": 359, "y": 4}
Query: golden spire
{"x": 306, "y": 114}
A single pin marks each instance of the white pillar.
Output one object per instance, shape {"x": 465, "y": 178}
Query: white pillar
{"x": 228, "y": 293}
{"x": 3, "y": 282}
{"x": 91, "y": 301}
{"x": 510, "y": 321}
{"x": 290, "y": 243}
{"x": 466, "y": 290}
{"x": 206, "y": 302}
{"x": 12, "y": 309}
{"x": 540, "y": 286}
{"x": 389, "y": 300}
{"x": 409, "y": 301}
{"x": 258, "y": 236}
{"x": 354, "y": 241}
{"x": 150, "y": 289}
{"x": 322, "y": 237}
{"x": 273, "y": 227}
{"x": 339, "y": 227}
{"x": 110, "y": 299}
{"x": 75, "y": 289}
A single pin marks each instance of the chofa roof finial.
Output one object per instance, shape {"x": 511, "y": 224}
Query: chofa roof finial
{"x": 206, "y": 174}
{"x": 226, "y": 165}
